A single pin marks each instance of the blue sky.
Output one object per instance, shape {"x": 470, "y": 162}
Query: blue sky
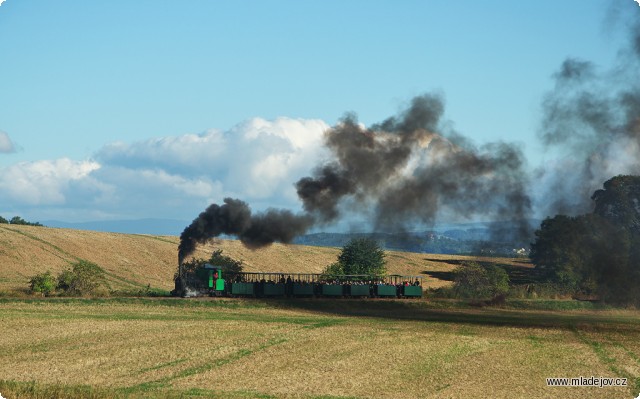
{"x": 137, "y": 109}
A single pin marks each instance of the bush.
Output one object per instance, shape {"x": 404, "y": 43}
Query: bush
{"x": 43, "y": 283}
{"x": 65, "y": 279}
{"x": 498, "y": 280}
{"x": 83, "y": 278}
{"x": 475, "y": 282}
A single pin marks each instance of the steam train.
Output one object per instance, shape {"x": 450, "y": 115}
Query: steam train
{"x": 209, "y": 281}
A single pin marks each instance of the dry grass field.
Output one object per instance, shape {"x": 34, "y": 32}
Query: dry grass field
{"x": 232, "y": 348}
{"x": 305, "y": 348}
{"x": 135, "y": 261}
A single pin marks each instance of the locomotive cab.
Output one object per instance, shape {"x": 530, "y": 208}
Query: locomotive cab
{"x": 215, "y": 282}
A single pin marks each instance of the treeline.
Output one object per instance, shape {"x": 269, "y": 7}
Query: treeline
{"x": 18, "y": 220}
{"x": 597, "y": 254}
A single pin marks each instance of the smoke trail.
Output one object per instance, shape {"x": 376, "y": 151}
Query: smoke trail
{"x": 234, "y": 218}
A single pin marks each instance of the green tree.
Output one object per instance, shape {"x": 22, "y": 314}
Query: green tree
{"x": 361, "y": 256}
{"x": 3, "y": 220}
{"x": 43, "y": 283}
{"x": 556, "y": 251}
{"x": 82, "y": 279}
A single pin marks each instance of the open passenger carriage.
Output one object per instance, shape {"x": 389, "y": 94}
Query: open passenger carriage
{"x": 271, "y": 284}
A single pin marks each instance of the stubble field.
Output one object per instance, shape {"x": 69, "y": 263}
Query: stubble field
{"x": 311, "y": 349}
{"x": 234, "y": 348}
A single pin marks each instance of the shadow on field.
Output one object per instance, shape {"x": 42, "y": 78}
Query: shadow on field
{"x": 446, "y": 276}
{"x": 457, "y": 312}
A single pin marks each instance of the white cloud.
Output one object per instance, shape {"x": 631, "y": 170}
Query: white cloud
{"x": 6, "y": 145}
{"x": 155, "y": 186}
{"x": 170, "y": 177}
{"x": 257, "y": 159}
{"x": 301, "y": 133}
{"x": 273, "y": 155}
{"x": 44, "y": 182}
{"x": 189, "y": 151}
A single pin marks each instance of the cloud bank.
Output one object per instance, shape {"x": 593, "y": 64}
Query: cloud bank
{"x": 169, "y": 177}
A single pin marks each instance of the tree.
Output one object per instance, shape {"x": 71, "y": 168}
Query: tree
{"x": 3, "y": 220}
{"x": 557, "y": 251}
{"x": 619, "y": 202}
{"x": 361, "y": 256}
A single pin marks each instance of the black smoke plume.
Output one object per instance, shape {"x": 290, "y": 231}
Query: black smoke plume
{"x": 234, "y": 217}
{"x": 592, "y": 122}
{"x": 408, "y": 170}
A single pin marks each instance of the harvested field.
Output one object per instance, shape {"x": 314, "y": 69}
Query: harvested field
{"x": 234, "y": 348}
